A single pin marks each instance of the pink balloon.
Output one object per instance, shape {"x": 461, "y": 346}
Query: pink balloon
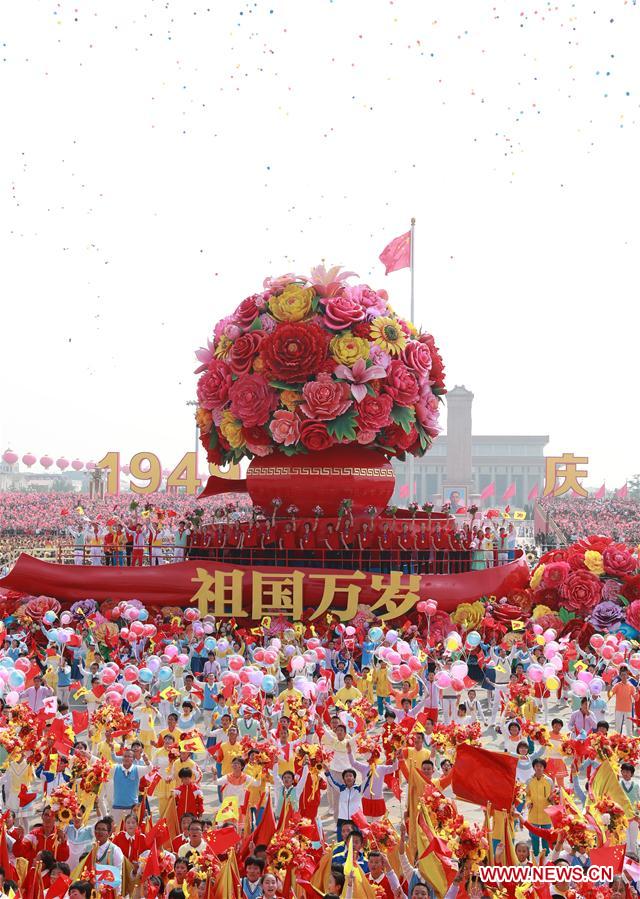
{"x": 130, "y": 674}
{"x": 137, "y": 628}
{"x": 405, "y": 671}
{"x": 617, "y": 658}
{"x": 579, "y": 688}
{"x": 236, "y": 663}
{"x": 183, "y": 658}
{"x": 244, "y": 675}
{"x": 108, "y": 676}
{"x": 270, "y": 656}
{"x": 414, "y": 664}
{"x": 607, "y": 652}
{"x": 259, "y": 655}
{"x": 457, "y": 685}
{"x": 394, "y": 675}
{"x": 12, "y": 698}
{"x": 192, "y": 614}
{"x": 133, "y": 693}
{"x": 431, "y": 607}
{"x": 171, "y": 651}
{"x": 297, "y": 663}
{"x": 535, "y": 674}
{"x": 313, "y": 643}
{"x": 585, "y": 676}
{"x": 459, "y": 671}
{"x": 150, "y": 630}
{"x": 442, "y": 679}
{"x": 634, "y": 662}
{"x": 393, "y": 657}
{"x": 596, "y": 640}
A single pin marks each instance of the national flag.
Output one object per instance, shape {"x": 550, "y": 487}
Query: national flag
{"x": 534, "y": 492}
{"x": 228, "y": 810}
{"x": 159, "y": 834}
{"x": 193, "y": 744}
{"x": 80, "y": 721}
{"x": 267, "y": 826}
{"x": 152, "y": 864}
{"x": 62, "y": 741}
{"x": 59, "y": 887}
{"x": 320, "y": 876}
{"x": 5, "y": 863}
{"x": 362, "y": 887}
{"x": 481, "y": 776}
{"x": 599, "y": 494}
{"x": 605, "y": 785}
{"x": 609, "y": 855}
{"x": 488, "y": 491}
{"x": 24, "y": 797}
{"x": 622, "y": 492}
{"x": 397, "y": 253}
{"x": 509, "y": 492}
{"x": 434, "y": 862}
{"x": 221, "y": 839}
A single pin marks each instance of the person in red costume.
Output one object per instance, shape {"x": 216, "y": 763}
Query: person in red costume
{"x": 131, "y": 840}
{"x": 45, "y": 836}
{"x": 188, "y": 796}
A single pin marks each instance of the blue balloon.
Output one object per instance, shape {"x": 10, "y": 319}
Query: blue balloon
{"x": 145, "y": 675}
{"x": 375, "y": 634}
{"x": 6, "y": 662}
{"x": 473, "y": 638}
{"x": 16, "y": 679}
{"x": 268, "y": 683}
{"x": 165, "y": 673}
{"x": 210, "y": 644}
{"x": 143, "y": 615}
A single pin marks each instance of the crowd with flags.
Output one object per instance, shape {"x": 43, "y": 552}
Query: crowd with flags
{"x": 160, "y": 753}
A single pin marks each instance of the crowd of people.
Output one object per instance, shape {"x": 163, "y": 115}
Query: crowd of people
{"x": 579, "y": 516}
{"x": 160, "y": 754}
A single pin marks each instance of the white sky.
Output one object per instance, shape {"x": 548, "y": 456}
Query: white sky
{"x": 158, "y": 159}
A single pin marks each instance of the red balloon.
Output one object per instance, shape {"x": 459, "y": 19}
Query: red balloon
{"x": 607, "y": 652}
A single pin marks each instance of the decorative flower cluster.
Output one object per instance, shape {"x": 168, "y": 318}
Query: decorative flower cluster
{"x": 65, "y": 803}
{"x": 588, "y": 578}
{"x": 574, "y": 829}
{"x": 313, "y": 362}
{"x": 290, "y": 848}
{"x": 446, "y": 737}
{"x": 90, "y": 775}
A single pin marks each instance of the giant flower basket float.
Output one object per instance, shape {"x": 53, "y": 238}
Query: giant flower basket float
{"x": 319, "y": 383}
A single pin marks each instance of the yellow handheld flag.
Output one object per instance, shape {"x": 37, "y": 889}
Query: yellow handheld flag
{"x": 519, "y": 515}
{"x": 228, "y": 811}
{"x": 193, "y": 744}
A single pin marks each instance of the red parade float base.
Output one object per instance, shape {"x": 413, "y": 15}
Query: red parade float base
{"x": 177, "y": 584}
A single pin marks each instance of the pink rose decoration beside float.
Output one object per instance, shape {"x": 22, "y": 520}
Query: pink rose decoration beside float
{"x": 618, "y": 560}
{"x": 325, "y": 399}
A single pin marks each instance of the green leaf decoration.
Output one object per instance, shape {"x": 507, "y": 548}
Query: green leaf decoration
{"x": 256, "y": 324}
{"x": 213, "y": 438}
{"x": 343, "y": 427}
{"x": 404, "y": 416}
{"x": 282, "y": 385}
{"x": 564, "y": 615}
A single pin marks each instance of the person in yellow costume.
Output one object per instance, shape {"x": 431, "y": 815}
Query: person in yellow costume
{"x": 381, "y": 686}
{"x": 364, "y": 683}
{"x": 289, "y": 694}
{"x": 228, "y": 750}
{"x": 348, "y": 693}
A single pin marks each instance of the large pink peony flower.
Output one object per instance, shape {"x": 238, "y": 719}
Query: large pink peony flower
{"x": 374, "y": 303}
{"x": 427, "y": 410}
{"x": 325, "y": 399}
{"x": 285, "y": 427}
{"x": 633, "y": 614}
{"x": 252, "y": 400}
{"x": 581, "y": 591}
{"x": 341, "y": 312}
{"x": 618, "y": 560}
{"x": 213, "y": 386}
{"x": 555, "y": 573}
{"x": 417, "y": 357}
{"x": 401, "y": 384}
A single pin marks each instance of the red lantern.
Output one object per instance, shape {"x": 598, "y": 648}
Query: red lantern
{"x": 77, "y": 465}
{"x": 90, "y": 466}
{"x": 62, "y": 463}
{"x": 9, "y": 457}
{"x": 29, "y": 459}
{"x": 46, "y": 461}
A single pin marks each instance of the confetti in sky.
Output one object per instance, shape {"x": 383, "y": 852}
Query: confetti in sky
{"x": 160, "y": 158}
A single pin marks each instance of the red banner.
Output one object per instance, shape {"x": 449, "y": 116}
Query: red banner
{"x": 250, "y": 593}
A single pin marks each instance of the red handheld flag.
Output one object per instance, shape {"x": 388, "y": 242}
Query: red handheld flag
{"x": 152, "y": 865}
{"x": 482, "y": 776}
{"x": 609, "y": 855}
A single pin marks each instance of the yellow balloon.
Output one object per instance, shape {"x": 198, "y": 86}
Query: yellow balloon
{"x": 452, "y": 644}
{"x": 540, "y": 640}
{"x": 552, "y": 683}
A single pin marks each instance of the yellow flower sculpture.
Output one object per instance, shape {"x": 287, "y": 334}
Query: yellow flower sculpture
{"x": 468, "y": 615}
{"x": 347, "y": 349}
{"x": 536, "y": 577}
{"x": 293, "y": 304}
{"x": 593, "y": 561}
{"x": 388, "y": 334}
{"x": 231, "y": 429}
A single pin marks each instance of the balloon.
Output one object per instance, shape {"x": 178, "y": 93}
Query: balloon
{"x": 442, "y": 679}
{"x": 16, "y": 679}
{"x": 395, "y": 676}
{"x": 431, "y": 607}
{"x": 474, "y": 638}
{"x": 63, "y": 636}
{"x": 23, "y": 664}
{"x": 113, "y": 698}
{"x": 585, "y": 676}
{"x": 596, "y": 686}
{"x": 350, "y": 631}
{"x": 223, "y": 645}
{"x": 29, "y": 459}
{"x": 403, "y": 648}
{"x": 313, "y": 643}
{"x": 270, "y": 657}
{"x": 596, "y": 641}
{"x": 549, "y": 635}
{"x": 421, "y": 606}
{"x": 453, "y": 641}
{"x": 375, "y": 634}
{"x": 535, "y": 674}
{"x": 617, "y": 658}
{"x": 192, "y": 614}
{"x": 268, "y": 684}
{"x": 66, "y": 618}
{"x": 7, "y": 663}
{"x": 297, "y": 663}
{"x": 153, "y": 664}
{"x": 255, "y": 677}
{"x": 49, "y": 617}
{"x": 275, "y": 644}
{"x": 310, "y": 657}
{"x": 391, "y": 637}
{"x": 607, "y": 652}
{"x": 132, "y": 693}
{"x": 457, "y": 685}
{"x": 322, "y": 684}
{"x": 579, "y": 688}
{"x": 550, "y": 650}
{"x": 392, "y": 657}
{"x": 537, "y": 629}
{"x": 414, "y": 664}
{"x": 552, "y": 683}
{"x": 236, "y": 663}
{"x": 107, "y": 676}
{"x": 459, "y": 670}
{"x": 12, "y": 698}
{"x": 150, "y": 630}
{"x": 405, "y": 671}
{"x": 143, "y": 614}
{"x": 548, "y": 670}
{"x": 634, "y": 662}
{"x": 145, "y": 675}
{"x": 137, "y": 628}
{"x": 171, "y": 651}
{"x": 165, "y": 673}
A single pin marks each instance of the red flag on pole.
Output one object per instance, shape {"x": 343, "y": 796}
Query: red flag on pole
{"x": 599, "y": 494}
{"x": 152, "y": 865}
{"x": 482, "y": 776}
{"x": 609, "y": 855}
{"x": 622, "y": 492}
{"x": 533, "y": 493}
{"x": 397, "y": 254}
{"x": 509, "y": 492}
{"x": 488, "y": 491}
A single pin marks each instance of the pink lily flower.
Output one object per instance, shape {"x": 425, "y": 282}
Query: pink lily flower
{"x": 358, "y": 375}
{"x": 205, "y": 356}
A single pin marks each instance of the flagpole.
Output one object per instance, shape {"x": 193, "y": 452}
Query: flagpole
{"x": 412, "y": 490}
{"x": 411, "y": 264}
